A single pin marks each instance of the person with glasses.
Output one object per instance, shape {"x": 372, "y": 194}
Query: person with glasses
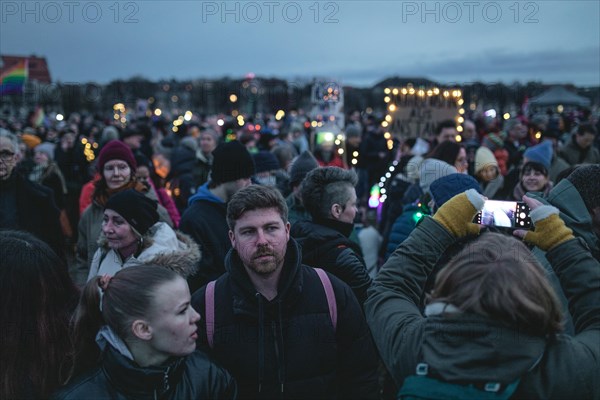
{"x": 116, "y": 166}
{"x": 24, "y": 205}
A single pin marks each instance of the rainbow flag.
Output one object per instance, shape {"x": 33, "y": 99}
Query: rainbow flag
{"x": 13, "y": 80}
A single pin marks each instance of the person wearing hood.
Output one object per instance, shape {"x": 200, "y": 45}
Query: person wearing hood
{"x": 273, "y": 322}
{"x": 489, "y": 324}
{"x": 329, "y": 196}
{"x": 132, "y": 235}
{"x": 204, "y": 219}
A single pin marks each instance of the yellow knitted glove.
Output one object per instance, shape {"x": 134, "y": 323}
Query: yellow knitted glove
{"x": 456, "y": 215}
{"x": 550, "y": 230}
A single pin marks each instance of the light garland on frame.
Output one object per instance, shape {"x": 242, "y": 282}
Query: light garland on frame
{"x": 396, "y": 98}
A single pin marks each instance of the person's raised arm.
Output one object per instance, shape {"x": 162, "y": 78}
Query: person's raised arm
{"x": 576, "y": 268}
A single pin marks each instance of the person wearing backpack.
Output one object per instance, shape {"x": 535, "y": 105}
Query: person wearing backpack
{"x": 492, "y": 326}
{"x": 281, "y": 328}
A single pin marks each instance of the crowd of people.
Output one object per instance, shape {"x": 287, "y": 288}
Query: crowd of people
{"x": 215, "y": 262}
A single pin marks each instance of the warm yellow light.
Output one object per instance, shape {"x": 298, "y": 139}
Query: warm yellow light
{"x": 421, "y": 93}
{"x": 538, "y": 135}
{"x": 187, "y": 116}
{"x": 390, "y": 144}
{"x": 395, "y": 91}
{"x": 506, "y": 116}
{"x": 446, "y": 93}
{"x": 560, "y": 108}
{"x": 387, "y": 90}
{"x": 116, "y": 116}
{"x": 404, "y": 91}
{"x": 473, "y": 106}
{"x": 340, "y": 151}
{"x": 355, "y": 154}
{"x": 84, "y": 141}
{"x": 233, "y": 98}
{"x": 387, "y": 99}
{"x": 411, "y": 91}
{"x": 60, "y": 117}
{"x": 354, "y": 161}
{"x": 460, "y": 120}
{"x": 157, "y": 112}
{"x": 430, "y": 93}
{"x": 384, "y": 124}
{"x": 461, "y": 102}
{"x": 313, "y": 124}
{"x": 436, "y": 91}
{"x": 459, "y": 128}
{"x": 387, "y": 135}
{"x": 461, "y": 111}
{"x": 458, "y": 138}
{"x": 123, "y": 120}
{"x": 175, "y": 129}
{"x": 388, "y": 117}
{"x": 392, "y": 108}
{"x": 337, "y": 142}
{"x": 279, "y": 115}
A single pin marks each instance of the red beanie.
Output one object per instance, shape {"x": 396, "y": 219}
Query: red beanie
{"x": 116, "y": 150}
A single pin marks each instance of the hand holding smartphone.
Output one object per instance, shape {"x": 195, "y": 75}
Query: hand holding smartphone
{"x": 504, "y": 214}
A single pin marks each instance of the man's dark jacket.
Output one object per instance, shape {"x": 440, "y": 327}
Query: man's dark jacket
{"x": 205, "y": 221}
{"x": 287, "y": 347}
{"x": 325, "y": 244}
{"x": 36, "y": 211}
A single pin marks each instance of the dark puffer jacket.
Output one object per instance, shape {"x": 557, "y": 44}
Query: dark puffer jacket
{"x": 326, "y": 245}
{"x": 287, "y": 347}
{"x": 205, "y": 221}
{"x": 474, "y": 349}
{"x": 190, "y": 377}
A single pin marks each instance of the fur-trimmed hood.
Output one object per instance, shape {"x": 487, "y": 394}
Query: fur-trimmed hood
{"x": 161, "y": 246}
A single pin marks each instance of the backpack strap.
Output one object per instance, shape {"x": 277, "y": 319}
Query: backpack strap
{"x": 209, "y": 307}
{"x": 330, "y": 294}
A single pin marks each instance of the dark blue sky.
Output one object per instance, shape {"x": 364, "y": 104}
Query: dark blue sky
{"x": 358, "y": 42}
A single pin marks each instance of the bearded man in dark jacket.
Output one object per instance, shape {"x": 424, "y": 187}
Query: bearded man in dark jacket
{"x": 329, "y": 196}
{"x": 268, "y": 320}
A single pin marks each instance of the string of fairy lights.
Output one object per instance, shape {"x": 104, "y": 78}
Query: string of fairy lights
{"x": 409, "y": 96}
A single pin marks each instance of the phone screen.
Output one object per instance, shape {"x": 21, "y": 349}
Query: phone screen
{"x": 504, "y": 214}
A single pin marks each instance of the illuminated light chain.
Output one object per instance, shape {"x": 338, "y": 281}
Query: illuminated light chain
{"x": 390, "y": 99}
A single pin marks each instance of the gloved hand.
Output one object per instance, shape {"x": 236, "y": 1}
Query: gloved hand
{"x": 456, "y": 215}
{"x": 550, "y": 230}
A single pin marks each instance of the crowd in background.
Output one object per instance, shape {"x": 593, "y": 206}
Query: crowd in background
{"x": 95, "y": 199}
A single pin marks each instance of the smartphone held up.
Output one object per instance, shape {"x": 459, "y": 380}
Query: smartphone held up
{"x": 504, "y": 214}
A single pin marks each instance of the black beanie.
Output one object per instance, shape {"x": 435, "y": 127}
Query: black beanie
{"x": 301, "y": 166}
{"x": 231, "y": 161}
{"x": 138, "y": 210}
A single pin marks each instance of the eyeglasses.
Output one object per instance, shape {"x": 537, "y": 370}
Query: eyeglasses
{"x": 6, "y": 155}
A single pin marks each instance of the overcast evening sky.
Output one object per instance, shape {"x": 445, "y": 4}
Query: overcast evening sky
{"x": 357, "y": 42}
